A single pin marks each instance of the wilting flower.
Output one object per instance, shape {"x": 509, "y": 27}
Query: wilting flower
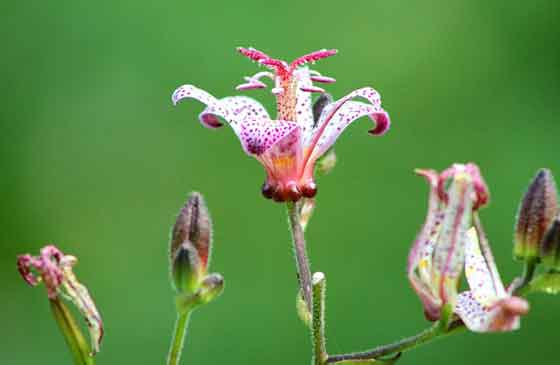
{"x": 436, "y": 259}
{"x": 289, "y": 145}
{"x": 536, "y": 212}
{"x": 487, "y": 306}
{"x": 55, "y": 269}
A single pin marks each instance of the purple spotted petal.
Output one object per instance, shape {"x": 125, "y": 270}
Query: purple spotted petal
{"x": 449, "y": 254}
{"x": 233, "y": 109}
{"x": 476, "y": 317}
{"x": 259, "y": 135}
{"x": 247, "y": 118}
{"x": 431, "y": 223}
{"x": 501, "y": 316}
{"x": 341, "y": 113}
{"x": 484, "y": 287}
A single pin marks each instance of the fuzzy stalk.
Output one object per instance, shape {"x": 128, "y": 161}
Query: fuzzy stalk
{"x": 318, "y": 322}
{"x": 302, "y": 262}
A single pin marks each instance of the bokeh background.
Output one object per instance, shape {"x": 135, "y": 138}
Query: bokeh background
{"x": 96, "y": 159}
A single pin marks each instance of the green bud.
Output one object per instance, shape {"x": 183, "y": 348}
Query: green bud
{"x": 326, "y": 163}
{"x": 302, "y": 310}
{"x": 550, "y": 248}
{"x": 211, "y": 288}
{"x": 547, "y": 283}
{"x": 320, "y": 104}
{"x": 536, "y": 212}
{"x": 186, "y": 269}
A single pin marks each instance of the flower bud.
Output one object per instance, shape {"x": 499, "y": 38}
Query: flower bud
{"x": 548, "y": 283}
{"x": 211, "y": 288}
{"x": 550, "y": 248}
{"x": 322, "y": 101}
{"x": 303, "y": 310}
{"x": 326, "y": 163}
{"x": 191, "y": 240}
{"x": 535, "y": 215}
{"x": 186, "y": 268}
{"x": 306, "y": 208}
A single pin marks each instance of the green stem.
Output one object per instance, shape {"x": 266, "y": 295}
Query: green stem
{"x": 318, "y": 324}
{"x": 71, "y": 331}
{"x": 405, "y": 344}
{"x": 304, "y": 272}
{"x": 528, "y": 273}
{"x": 178, "y": 337}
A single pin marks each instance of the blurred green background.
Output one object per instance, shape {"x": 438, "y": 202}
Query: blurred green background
{"x": 95, "y": 159}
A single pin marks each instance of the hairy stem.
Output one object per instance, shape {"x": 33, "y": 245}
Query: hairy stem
{"x": 178, "y": 337}
{"x": 399, "y": 346}
{"x": 72, "y": 334}
{"x": 318, "y": 321}
{"x": 304, "y": 272}
{"x": 528, "y": 273}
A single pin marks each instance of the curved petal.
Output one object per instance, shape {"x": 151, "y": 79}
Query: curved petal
{"x": 283, "y": 159}
{"x": 248, "y": 118}
{"x": 501, "y": 317}
{"x": 259, "y": 135}
{"x": 233, "y": 109}
{"x": 425, "y": 236}
{"x": 476, "y": 317}
{"x": 484, "y": 286}
{"x": 449, "y": 254}
{"x": 337, "y": 116}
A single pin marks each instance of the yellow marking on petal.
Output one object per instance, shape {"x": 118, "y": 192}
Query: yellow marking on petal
{"x": 283, "y": 162}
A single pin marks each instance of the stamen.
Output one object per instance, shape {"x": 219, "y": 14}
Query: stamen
{"x": 317, "y": 77}
{"x": 312, "y": 89}
{"x": 253, "y": 82}
{"x": 251, "y": 86}
{"x": 278, "y": 89}
{"x": 323, "y": 79}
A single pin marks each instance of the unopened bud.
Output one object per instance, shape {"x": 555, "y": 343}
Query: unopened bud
{"x": 191, "y": 241}
{"x": 307, "y": 206}
{"x": 322, "y": 101}
{"x": 303, "y": 310}
{"x": 535, "y": 215}
{"x": 326, "y": 163}
{"x": 186, "y": 268}
{"x": 547, "y": 283}
{"x": 211, "y": 287}
{"x": 550, "y": 248}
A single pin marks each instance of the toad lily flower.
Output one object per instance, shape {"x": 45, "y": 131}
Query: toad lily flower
{"x": 436, "y": 259}
{"x": 289, "y": 145}
{"x": 487, "y": 306}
